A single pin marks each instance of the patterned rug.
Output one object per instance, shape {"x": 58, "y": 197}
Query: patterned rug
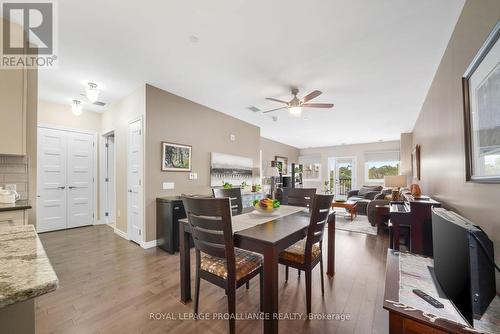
{"x": 360, "y": 224}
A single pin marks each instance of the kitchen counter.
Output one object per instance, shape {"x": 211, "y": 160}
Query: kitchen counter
{"x": 19, "y": 205}
{"x": 25, "y": 269}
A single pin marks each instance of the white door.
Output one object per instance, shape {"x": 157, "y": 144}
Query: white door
{"x": 134, "y": 175}
{"x": 51, "y": 202}
{"x": 80, "y": 179}
{"x": 65, "y": 176}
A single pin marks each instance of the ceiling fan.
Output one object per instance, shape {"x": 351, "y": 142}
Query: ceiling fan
{"x": 295, "y": 105}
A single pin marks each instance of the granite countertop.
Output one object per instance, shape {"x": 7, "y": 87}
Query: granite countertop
{"x": 25, "y": 269}
{"x": 19, "y": 205}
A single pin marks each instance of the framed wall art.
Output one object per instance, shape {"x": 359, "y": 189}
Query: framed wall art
{"x": 175, "y": 157}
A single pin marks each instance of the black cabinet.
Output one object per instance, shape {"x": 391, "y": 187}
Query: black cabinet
{"x": 168, "y": 212}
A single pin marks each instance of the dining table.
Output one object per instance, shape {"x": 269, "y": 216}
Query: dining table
{"x": 264, "y": 234}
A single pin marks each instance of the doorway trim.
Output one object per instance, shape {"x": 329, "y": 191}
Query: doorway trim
{"x": 95, "y": 220}
{"x": 102, "y": 175}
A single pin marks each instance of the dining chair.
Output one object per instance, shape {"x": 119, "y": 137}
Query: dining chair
{"x": 233, "y": 193}
{"x": 217, "y": 260}
{"x": 298, "y": 196}
{"x": 307, "y": 253}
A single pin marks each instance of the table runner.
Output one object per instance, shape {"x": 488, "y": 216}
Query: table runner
{"x": 254, "y": 218}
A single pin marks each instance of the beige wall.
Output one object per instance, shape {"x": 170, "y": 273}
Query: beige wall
{"x": 406, "y": 147}
{"x": 117, "y": 118}
{"x": 440, "y": 127}
{"x": 61, "y": 115}
{"x": 321, "y": 155}
{"x": 271, "y": 148}
{"x": 175, "y": 119}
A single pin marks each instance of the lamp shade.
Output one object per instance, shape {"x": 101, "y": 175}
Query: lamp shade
{"x": 395, "y": 181}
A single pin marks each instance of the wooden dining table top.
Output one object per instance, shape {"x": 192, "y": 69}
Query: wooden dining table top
{"x": 274, "y": 230}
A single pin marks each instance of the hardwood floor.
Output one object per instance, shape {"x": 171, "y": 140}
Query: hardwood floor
{"x": 110, "y": 285}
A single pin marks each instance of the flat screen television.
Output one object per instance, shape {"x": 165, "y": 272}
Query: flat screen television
{"x": 463, "y": 263}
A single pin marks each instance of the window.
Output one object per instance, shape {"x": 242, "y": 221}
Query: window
{"x": 376, "y": 170}
{"x": 380, "y": 164}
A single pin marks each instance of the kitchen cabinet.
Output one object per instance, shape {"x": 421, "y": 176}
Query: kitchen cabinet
{"x": 13, "y": 99}
{"x": 10, "y": 218}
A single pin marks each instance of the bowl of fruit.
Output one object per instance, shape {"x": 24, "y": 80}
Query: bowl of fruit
{"x": 266, "y": 206}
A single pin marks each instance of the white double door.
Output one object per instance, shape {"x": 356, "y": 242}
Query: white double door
{"x": 65, "y": 177}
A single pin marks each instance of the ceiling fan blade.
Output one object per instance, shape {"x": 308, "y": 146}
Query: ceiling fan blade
{"x": 317, "y": 105}
{"x": 276, "y": 100}
{"x": 311, "y": 95}
{"x": 265, "y": 112}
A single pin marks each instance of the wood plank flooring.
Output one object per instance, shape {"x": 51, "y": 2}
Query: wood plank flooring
{"x": 110, "y": 285}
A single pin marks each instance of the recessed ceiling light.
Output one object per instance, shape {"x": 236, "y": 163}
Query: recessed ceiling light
{"x": 194, "y": 39}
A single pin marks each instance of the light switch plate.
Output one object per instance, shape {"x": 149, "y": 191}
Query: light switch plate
{"x": 168, "y": 185}
{"x": 193, "y": 176}
{"x": 232, "y": 137}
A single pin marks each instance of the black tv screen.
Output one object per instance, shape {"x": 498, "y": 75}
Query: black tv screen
{"x": 462, "y": 263}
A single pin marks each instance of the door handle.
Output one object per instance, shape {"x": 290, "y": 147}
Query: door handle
{"x": 130, "y": 190}
{"x": 71, "y": 187}
{"x": 62, "y": 187}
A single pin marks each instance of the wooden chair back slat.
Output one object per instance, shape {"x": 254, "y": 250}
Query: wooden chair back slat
{"x": 210, "y": 236}
{"x": 205, "y": 222}
{"x": 298, "y": 196}
{"x": 234, "y": 194}
{"x": 216, "y": 250}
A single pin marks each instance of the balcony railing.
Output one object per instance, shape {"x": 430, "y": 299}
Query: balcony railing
{"x": 344, "y": 186}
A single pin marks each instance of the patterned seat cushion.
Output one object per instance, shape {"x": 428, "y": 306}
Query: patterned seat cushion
{"x": 296, "y": 252}
{"x": 246, "y": 262}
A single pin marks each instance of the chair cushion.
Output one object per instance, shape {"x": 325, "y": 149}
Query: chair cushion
{"x": 296, "y": 252}
{"x": 246, "y": 262}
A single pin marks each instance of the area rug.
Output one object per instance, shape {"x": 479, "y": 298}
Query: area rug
{"x": 360, "y": 224}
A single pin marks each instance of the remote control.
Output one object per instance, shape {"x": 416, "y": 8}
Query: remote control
{"x": 428, "y": 298}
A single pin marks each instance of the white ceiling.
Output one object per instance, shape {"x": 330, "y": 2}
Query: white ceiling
{"x": 374, "y": 59}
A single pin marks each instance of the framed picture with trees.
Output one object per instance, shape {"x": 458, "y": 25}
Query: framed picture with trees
{"x": 175, "y": 157}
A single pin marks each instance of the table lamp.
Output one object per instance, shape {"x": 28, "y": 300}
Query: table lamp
{"x": 395, "y": 182}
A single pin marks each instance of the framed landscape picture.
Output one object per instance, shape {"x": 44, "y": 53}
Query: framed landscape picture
{"x": 175, "y": 157}
{"x": 481, "y": 88}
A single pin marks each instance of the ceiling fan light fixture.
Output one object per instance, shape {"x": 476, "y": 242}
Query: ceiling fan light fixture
{"x": 92, "y": 92}
{"x": 295, "y": 111}
{"x": 76, "y": 107}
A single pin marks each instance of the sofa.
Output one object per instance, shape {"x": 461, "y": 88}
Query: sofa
{"x": 364, "y": 196}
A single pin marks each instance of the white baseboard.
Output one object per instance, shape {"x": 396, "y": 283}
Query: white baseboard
{"x": 122, "y": 234}
{"x": 100, "y": 222}
{"x": 149, "y": 244}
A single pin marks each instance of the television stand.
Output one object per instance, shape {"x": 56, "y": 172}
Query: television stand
{"x": 408, "y": 313}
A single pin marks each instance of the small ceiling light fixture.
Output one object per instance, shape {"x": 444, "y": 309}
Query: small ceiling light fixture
{"x": 295, "y": 111}
{"x": 92, "y": 92}
{"x": 76, "y": 107}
